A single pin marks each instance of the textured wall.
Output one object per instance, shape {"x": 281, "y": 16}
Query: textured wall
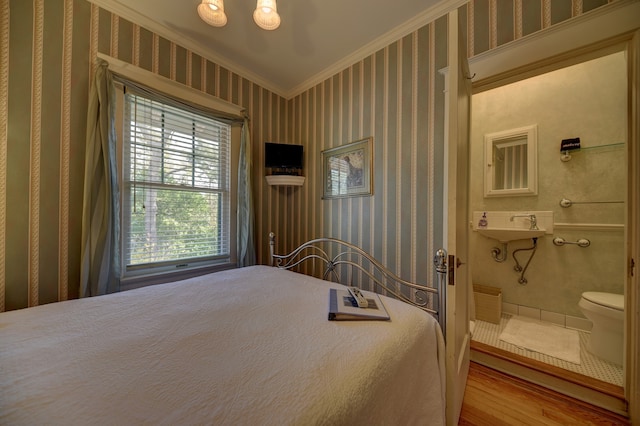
{"x": 395, "y": 95}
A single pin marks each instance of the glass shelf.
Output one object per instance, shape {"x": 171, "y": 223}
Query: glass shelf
{"x": 566, "y": 155}
{"x": 610, "y": 145}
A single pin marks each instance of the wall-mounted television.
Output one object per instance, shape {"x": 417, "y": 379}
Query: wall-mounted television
{"x": 284, "y": 158}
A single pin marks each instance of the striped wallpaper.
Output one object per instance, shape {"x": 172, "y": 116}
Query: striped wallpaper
{"x": 47, "y": 50}
{"x": 395, "y": 96}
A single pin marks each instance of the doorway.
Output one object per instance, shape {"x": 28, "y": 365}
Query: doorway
{"x": 587, "y": 104}
{"x": 558, "y": 274}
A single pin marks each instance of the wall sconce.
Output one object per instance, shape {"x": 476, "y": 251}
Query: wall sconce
{"x": 265, "y": 16}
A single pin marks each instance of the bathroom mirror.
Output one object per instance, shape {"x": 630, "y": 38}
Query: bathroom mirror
{"x": 511, "y": 162}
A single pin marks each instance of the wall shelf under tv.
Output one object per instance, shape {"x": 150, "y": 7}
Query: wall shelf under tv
{"x": 285, "y": 180}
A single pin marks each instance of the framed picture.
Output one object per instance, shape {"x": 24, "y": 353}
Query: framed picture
{"x": 347, "y": 170}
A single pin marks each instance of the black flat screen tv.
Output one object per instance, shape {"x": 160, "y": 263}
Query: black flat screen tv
{"x": 282, "y": 156}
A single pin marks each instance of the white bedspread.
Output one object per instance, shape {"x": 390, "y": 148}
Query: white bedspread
{"x": 248, "y": 346}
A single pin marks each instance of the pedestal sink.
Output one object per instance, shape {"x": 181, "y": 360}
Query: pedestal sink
{"x": 504, "y": 235}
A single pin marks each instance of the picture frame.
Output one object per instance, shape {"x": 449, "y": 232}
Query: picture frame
{"x": 347, "y": 170}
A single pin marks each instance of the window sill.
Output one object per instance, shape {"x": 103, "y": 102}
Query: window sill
{"x": 130, "y": 283}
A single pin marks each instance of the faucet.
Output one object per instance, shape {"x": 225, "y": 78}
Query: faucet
{"x": 532, "y": 218}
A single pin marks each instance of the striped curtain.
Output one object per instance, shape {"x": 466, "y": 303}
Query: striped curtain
{"x": 100, "y": 268}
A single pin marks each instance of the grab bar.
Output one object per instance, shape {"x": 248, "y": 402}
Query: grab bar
{"x": 582, "y": 242}
{"x": 568, "y": 203}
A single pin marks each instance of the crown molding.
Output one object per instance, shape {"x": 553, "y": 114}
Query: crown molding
{"x": 420, "y": 20}
{"x": 123, "y": 11}
{"x": 560, "y": 44}
{"x": 417, "y": 22}
{"x": 566, "y": 35}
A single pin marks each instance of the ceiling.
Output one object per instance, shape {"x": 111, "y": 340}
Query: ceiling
{"x": 316, "y": 38}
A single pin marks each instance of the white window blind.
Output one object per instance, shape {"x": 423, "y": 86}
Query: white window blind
{"x": 176, "y": 185}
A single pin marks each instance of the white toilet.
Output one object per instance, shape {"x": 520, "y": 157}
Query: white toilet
{"x": 606, "y": 312}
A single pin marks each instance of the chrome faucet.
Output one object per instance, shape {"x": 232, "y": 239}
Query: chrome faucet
{"x": 532, "y": 218}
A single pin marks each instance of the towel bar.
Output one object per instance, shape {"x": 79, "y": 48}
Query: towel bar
{"x": 568, "y": 203}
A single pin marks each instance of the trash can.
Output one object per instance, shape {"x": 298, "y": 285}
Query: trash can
{"x": 488, "y": 303}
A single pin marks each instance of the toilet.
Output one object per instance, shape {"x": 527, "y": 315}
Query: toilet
{"x": 606, "y": 312}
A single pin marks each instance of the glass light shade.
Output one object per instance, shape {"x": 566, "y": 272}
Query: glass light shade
{"x": 212, "y": 12}
{"x": 266, "y": 15}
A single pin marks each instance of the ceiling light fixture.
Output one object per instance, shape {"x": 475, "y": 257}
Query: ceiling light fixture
{"x": 212, "y": 12}
{"x": 265, "y": 16}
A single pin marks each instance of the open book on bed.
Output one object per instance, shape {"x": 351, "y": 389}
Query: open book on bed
{"x": 342, "y": 306}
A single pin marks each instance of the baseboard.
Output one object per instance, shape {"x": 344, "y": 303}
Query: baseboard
{"x": 552, "y": 317}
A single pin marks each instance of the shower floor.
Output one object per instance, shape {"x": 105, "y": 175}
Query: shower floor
{"x": 590, "y": 365}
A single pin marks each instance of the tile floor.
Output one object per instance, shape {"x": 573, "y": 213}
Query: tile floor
{"x": 590, "y": 365}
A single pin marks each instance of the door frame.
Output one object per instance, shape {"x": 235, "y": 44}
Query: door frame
{"x": 566, "y": 44}
{"x": 457, "y": 89}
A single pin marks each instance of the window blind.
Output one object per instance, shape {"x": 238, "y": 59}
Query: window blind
{"x": 176, "y": 183}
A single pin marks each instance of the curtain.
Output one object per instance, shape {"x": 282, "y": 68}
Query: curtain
{"x": 100, "y": 268}
{"x": 246, "y": 248}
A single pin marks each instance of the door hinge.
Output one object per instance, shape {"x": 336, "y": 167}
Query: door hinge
{"x": 632, "y": 267}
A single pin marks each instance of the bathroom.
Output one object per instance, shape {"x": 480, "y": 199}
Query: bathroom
{"x": 585, "y": 100}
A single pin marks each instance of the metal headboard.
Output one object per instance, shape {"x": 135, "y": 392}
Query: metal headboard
{"x": 356, "y": 258}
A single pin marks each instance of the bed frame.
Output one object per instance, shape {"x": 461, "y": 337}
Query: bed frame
{"x": 351, "y": 259}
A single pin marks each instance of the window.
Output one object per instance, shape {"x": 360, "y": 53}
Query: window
{"x": 176, "y": 187}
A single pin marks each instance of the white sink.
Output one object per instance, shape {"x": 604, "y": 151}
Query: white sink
{"x": 504, "y": 235}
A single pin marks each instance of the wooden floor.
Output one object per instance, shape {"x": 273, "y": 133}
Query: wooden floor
{"x": 494, "y": 398}
{"x": 566, "y": 375}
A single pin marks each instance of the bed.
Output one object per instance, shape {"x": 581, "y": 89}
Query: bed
{"x": 246, "y": 346}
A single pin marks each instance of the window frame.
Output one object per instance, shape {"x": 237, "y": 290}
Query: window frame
{"x": 136, "y": 276}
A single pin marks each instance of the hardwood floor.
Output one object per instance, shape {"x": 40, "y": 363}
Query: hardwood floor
{"x": 594, "y": 391}
{"x": 494, "y": 398}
